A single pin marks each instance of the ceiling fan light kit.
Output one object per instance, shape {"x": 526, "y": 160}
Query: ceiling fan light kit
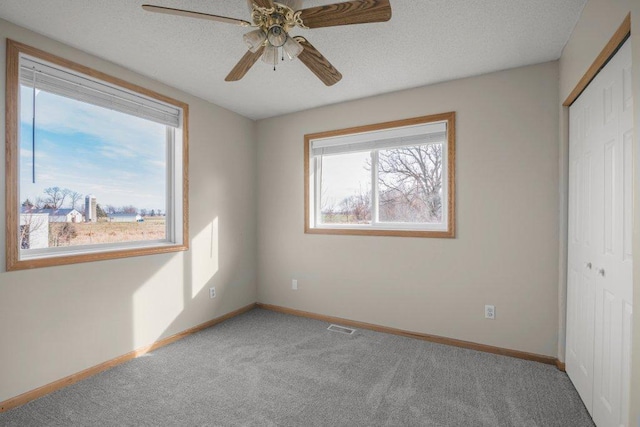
{"x": 275, "y": 20}
{"x": 254, "y": 40}
{"x": 292, "y": 48}
{"x": 270, "y": 55}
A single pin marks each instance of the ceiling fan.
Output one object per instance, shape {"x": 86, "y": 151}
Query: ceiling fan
{"x": 274, "y": 20}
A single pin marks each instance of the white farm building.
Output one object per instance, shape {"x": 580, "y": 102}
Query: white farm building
{"x": 57, "y": 215}
{"x": 124, "y": 217}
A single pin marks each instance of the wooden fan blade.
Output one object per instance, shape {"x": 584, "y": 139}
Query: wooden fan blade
{"x": 318, "y": 64}
{"x": 190, "y": 14}
{"x": 267, "y": 4}
{"x": 245, "y": 63}
{"x": 347, "y": 13}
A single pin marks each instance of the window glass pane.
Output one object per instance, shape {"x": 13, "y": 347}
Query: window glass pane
{"x": 346, "y": 189}
{"x": 410, "y": 184}
{"x": 100, "y": 175}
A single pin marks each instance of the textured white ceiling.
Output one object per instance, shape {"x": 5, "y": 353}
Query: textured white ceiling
{"x": 426, "y": 41}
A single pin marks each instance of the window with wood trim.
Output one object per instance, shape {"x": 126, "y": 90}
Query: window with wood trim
{"x": 96, "y": 166}
{"x": 392, "y": 179}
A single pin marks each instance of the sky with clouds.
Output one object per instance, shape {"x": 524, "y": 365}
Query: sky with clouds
{"x": 118, "y": 158}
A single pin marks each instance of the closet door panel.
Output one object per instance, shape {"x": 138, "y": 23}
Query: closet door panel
{"x": 613, "y": 255}
{"x": 599, "y": 298}
{"x": 581, "y": 279}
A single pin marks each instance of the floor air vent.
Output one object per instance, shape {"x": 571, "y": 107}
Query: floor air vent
{"x": 341, "y": 329}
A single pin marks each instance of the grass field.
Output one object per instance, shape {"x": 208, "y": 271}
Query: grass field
{"x": 89, "y": 233}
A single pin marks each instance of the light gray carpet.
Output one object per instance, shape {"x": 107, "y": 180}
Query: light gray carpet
{"x": 267, "y": 369}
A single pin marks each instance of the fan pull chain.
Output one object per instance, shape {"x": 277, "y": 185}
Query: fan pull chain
{"x": 275, "y": 59}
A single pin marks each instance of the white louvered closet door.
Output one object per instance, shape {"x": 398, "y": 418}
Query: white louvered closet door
{"x": 599, "y": 300}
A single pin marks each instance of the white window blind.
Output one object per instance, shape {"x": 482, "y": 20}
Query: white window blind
{"x": 409, "y": 136}
{"x": 67, "y": 83}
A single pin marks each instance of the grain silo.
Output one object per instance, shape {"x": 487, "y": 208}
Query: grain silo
{"x": 90, "y": 210}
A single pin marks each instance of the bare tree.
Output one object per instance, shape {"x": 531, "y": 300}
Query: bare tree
{"x": 410, "y": 181}
{"x": 29, "y": 225}
{"x": 40, "y": 203}
{"x": 55, "y": 197}
{"x": 328, "y": 212}
{"x": 328, "y": 207}
{"x": 357, "y": 207}
{"x": 100, "y": 213}
{"x": 130, "y": 209}
{"x": 75, "y": 198}
{"x": 27, "y": 204}
{"x": 62, "y": 233}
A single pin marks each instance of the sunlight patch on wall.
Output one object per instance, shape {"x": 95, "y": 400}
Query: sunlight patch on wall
{"x": 204, "y": 252}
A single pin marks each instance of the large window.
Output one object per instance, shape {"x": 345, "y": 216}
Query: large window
{"x": 394, "y": 179}
{"x": 96, "y": 167}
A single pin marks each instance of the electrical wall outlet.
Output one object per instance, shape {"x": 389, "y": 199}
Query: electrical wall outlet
{"x": 294, "y": 284}
{"x": 212, "y": 292}
{"x": 489, "y": 312}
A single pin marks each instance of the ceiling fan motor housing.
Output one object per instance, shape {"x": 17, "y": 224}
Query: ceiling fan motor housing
{"x": 278, "y": 16}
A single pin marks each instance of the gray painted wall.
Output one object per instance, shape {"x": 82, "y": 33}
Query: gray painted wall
{"x": 506, "y": 249}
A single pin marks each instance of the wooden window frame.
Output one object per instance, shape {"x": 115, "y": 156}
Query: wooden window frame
{"x": 450, "y": 232}
{"x": 13, "y": 261}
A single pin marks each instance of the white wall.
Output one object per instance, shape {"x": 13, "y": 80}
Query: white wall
{"x": 599, "y": 21}
{"x": 58, "y": 321}
{"x": 634, "y": 416}
{"x": 506, "y": 249}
